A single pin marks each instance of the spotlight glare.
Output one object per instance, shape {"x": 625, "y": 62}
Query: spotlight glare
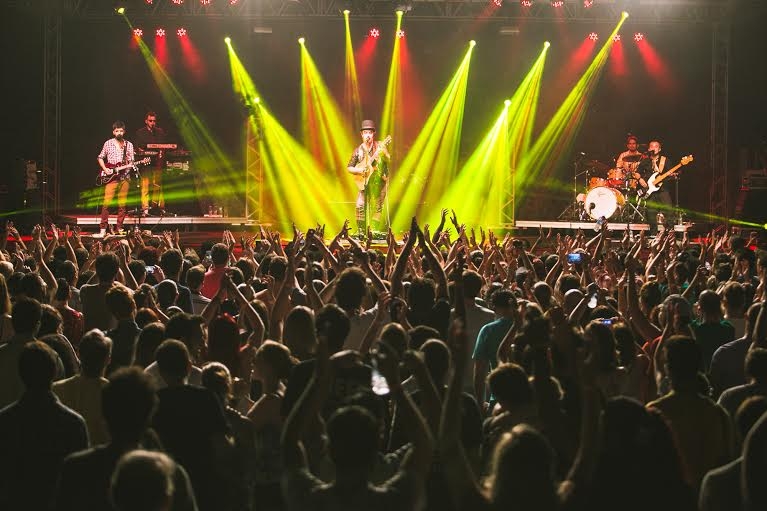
{"x": 138, "y": 32}
{"x": 498, "y": 3}
{"x": 526, "y": 3}
{"x": 301, "y": 40}
{"x": 472, "y": 43}
{"x": 257, "y": 100}
{"x": 399, "y": 13}
{"x": 400, "y": 34}
{"x": 160, "y": 32}
{"x": 507, "y": 103}
{"x": 121, "y": 10}
{"x": 557, "y": 3}
{"x": 616, "y": 38}
{"x": 233, "y": 2}
{"x": 149, "y": 2}
{"x": 228, "y": 40}
{"x": 588, "y": 3}
{"x": 374, "y": 33}
{"x": 178, "y": 2}
{"x": 593, "y": 36}
{"x": 625, "y": 14}
{"x": 346, "y": 12}
{"x": 546, "y": 44}
{"x": 205, "y": 2}
{"x": 181, "y": 32}
{"x": 638, "y": 36}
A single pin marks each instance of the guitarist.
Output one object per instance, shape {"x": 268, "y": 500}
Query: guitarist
{"x": 116, "y": 151}
{"x": 654, "y": 161}
{"x": 376, "y": 155}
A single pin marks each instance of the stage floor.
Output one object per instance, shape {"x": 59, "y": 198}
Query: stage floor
{"x": 212, "y": 221}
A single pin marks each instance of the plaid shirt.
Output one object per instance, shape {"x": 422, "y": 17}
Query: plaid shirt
{"x": 112, "y": 153}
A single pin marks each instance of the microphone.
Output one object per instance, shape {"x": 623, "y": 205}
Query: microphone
{"x": 592, "y": 206}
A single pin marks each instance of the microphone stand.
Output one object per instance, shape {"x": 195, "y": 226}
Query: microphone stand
{"x": 571, "y": 211}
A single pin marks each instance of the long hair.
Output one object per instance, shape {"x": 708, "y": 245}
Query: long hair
{"x": 522, "y": 472}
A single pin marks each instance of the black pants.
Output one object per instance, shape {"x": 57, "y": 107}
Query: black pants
{"x": 660, "y": 202}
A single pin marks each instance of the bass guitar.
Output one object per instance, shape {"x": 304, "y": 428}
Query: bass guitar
{"x": 656, "y": 180}
{"x": 117, "y": 172}
{"x": 368, "y": 166}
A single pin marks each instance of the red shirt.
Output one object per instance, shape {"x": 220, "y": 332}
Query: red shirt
{"x": 212, "y": 281}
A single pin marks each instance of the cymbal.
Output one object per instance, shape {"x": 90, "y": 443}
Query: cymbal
{"x": 597, "y": 166}
{"x": 631, "y": 158}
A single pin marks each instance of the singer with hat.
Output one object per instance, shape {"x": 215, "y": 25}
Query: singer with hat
{"x": 369, "y": 165}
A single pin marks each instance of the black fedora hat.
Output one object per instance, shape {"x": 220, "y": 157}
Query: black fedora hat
{"x": 368, "y": 125}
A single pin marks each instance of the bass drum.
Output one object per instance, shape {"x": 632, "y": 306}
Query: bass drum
{"x": 603, "y": 202}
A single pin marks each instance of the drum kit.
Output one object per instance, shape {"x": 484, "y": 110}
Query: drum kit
{"x": 609, "y": 193}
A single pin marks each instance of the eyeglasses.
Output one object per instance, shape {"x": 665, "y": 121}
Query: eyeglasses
{"x": 151, "y": 120}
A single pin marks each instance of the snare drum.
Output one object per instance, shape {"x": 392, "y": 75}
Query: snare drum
{"x": 603, "y": 202}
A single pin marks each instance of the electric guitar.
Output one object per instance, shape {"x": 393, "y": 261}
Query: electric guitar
{"x": 656, "y": 180}
{"x": 117, "y": 172}
{"x": 368, "y": 166}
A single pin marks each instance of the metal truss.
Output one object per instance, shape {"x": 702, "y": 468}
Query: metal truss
{"x": 720, "y": 57}
{"x": 655, "y": 11}
{"x": 50, "y": 186}
{"x": 254, "y": 172}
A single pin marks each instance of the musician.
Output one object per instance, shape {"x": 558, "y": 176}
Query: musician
{"x": 151, "y": 176}
{"x": 116, "y": 151}
{"x": 629, "y": 159}
{"x": 376, "y": 154}
{"x": 654, "y": 161}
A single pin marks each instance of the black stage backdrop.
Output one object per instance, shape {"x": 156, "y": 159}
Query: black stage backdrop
{"x": 105, "y": 78}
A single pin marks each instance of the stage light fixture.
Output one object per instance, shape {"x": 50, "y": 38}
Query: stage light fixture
{"x": 400, "y": 34}
{"x": 526, "y": 3}
{"x": 546, "y": 44}
{"x": 557, "y": 3}
{"x": 233, "y": 2}
{"x": 638, "y": 36}
{"x": 301, "y": 40}
{"x": 507, "y": 103}
{"x": 616, "y": 38}
{"x": 625, "y": 14}
{"x": 120, "y": 10}
{"x": 374, "y": 33}
{"x": 138, "y": 32}
{"x": 177, "y": 2}
{"x": 347, "y": 12}
{"x": 181, "y": 32}
{"x": 228, "y": 40}
{"x": 149, "y": 2}
{"x": 472, "y": 43}
{"x": 593, "y": 36}
{"x": 205, "y": 2}
{"x": 498, "y": 3}
{"x": 588, "y": 3}
{"x": 160, "y": 32}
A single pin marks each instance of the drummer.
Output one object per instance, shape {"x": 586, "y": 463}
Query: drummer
{"x": 628, "y": 160}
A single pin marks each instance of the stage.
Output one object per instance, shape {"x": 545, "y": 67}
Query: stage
{"x": 203, "y": 223}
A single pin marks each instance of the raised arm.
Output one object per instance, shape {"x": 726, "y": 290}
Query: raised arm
{"x": 460, "y": 478}
{"x": 402, "y": 260}
{"x": 420, "y": 460}
{"x": 306, "y": 408}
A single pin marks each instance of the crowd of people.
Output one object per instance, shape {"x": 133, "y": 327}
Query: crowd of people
{"x": 452, "y": 370}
